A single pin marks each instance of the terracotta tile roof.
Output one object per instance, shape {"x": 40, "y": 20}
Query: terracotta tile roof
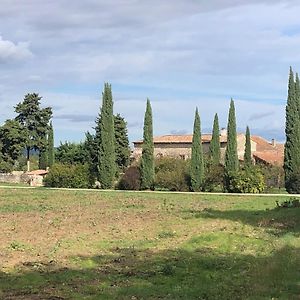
{"x": 272, "y": 157}
{"x": 262, "y": 144}
{"x": 178, "y": 139}
{"x": 37, "y": 172}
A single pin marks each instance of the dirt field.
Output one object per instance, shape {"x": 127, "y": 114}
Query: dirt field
{"x": 114, "y": 245}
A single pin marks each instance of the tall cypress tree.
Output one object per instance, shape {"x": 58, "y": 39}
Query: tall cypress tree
{"x": 197, "y": 168}
{"x": 147, "y": 160}
{"x": 231, "y": 157}
{"x": 292, "y": 115}
{"x": 214, "y": 147}
{"x": 107, "y": 156}
{"x": 292, "y": 131}
{"x": 247, "y": 154}
{"x": 50, "y": 146}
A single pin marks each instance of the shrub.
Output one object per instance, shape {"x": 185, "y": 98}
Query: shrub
{"x": 213, "y": 180}
{"x": 131, "y": 179}
{"x": 274, "y": 176}
{"x": 68, "y": 176}
{"x": 293, "y": 186}
{"x": 171, "y": 174}
{"x": 5, "y": 166}
{"x": 248, "y": 180}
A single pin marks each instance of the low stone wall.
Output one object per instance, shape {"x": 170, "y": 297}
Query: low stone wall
{"x": 21, "y": 177}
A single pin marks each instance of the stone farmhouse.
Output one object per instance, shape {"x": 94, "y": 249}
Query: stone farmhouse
{"x": 263, "y": 151}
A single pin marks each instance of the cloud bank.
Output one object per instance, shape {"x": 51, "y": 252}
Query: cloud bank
{"x": 181, "y": 54}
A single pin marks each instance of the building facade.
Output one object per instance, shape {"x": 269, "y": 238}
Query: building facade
{"x": 180, "y": 146}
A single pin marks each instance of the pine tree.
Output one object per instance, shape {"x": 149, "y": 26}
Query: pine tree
{"x": 122, "y": 143}
{"x": 107, "y": 156}
{"x": 247, "y": 154}
{"x": 214, "y": 147}
{"x": 231, "y": 157}
{"x": 197, "y": 168}
{"x": 35, "y": 123}
{"x": 147, "y": 160}
{"x": 51, "y": 157}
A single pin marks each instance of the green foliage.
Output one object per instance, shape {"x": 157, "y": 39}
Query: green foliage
{"x": 122, "y": 142}
{"x": 214, "y": 177}
{"x": 247, "y": 154}
{"x": 294, "y": 183}
{"x": 274, "y": 176}
{"x": 43, "y": 159}
{"x": 214, "y": 147}
{"x": 248, "y": 180}
{"x": 147, "y": 160}
{"x": 131, "y": 179}
{"x": 292, "y": 131}
{"x": 67, "y": 176}
{"x": 107, "y": 155}
{"x": 34, "y": 121}
{"x": 12, "y": 144}
{"x": 197, "y": 165}
{"x": 21, "y": 163}
{"x": 171, "y": 174}
{"x": 91, "y": 150}
{"x": 291, "y": 203}
{"x": 71, "y": 153}
{"x": 231, "y": 157}
{"x": 51, "y": 155}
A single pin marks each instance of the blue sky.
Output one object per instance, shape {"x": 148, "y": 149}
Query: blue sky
{"x": 178, "y": 53}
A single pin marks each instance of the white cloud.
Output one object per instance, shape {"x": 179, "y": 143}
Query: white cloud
{"x": 181, "y": 54}
{"x": 11, "y": 52}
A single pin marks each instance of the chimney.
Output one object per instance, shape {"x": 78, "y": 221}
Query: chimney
{"x": 273, "y": 143}
{"x": 223, "y": 132}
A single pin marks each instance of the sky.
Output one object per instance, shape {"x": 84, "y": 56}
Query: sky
{"x": 181, "y": 54}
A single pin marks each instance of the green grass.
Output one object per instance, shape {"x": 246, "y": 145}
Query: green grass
{"x": 114, "y": 245}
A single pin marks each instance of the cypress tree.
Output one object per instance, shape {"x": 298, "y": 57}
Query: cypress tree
{"x": 291, "y": 116}
{"x": 197, "y": 168}
{"x": 50, "y": 146}
{"x": 147, "y": 160}
{"x": 247, "y": 154}
{"x": 292, "y": 131}
{"x": 297, "y": 92}
{"x": 122, "y": 143}
{"x": 107, "y": 157}
{"x": 43, "y": 159}
{"x": 231, "y": 157}
{"x": 214, "y": 147}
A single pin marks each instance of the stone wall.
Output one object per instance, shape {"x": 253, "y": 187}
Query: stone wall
{"x": 183, "y": 150}
{"x": 21, "y": 177}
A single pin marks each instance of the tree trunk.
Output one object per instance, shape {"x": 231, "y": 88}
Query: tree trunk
{"x": 28, "y": 160}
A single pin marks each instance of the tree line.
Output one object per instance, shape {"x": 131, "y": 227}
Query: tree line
{"x": 232, "y": 176}
{"x": 105, "y": 153}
